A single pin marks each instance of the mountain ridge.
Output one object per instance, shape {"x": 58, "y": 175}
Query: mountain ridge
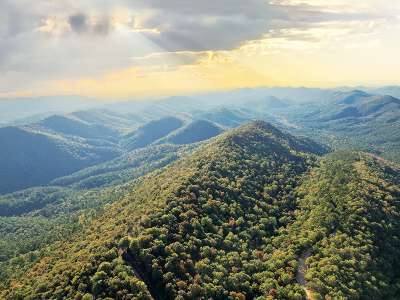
{"x": 235, "y": 219}
{"x": 221, "y": 154}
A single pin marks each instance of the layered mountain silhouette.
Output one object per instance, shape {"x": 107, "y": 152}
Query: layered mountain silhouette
{"x": 151, "y": 132}
{"x": 60, "y": 145}
{"x": 195, "y": 131}
{"x": 30, "y": 157}
{"x": 182, "y": 198}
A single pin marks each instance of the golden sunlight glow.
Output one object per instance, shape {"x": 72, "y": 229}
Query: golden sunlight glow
{"x": 184, "y": 79}
{"x": 334, "y": 54}
{"x": 340, "y": 52}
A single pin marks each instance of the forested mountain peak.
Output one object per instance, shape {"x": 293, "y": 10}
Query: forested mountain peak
{"x": 195, "y": 131}
{"x": 256, "y": 129}
{"x": 221, "y": 203}
{"x": 351, "y": 97}
{"x": 251, "y": 214}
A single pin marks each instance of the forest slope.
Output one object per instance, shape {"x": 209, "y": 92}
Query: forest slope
{"x": 348, "y": 227}
{"x": 235, "y": 220}
{"x": 31, "y": 158}
{"x": 202, "y": 211}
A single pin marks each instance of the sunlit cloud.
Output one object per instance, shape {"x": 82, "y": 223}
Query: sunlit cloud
{"x": 84, "y": 47}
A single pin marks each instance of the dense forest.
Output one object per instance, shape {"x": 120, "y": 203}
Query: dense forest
{"x": 36, "y": 217}
{"x": 253, "y": 214}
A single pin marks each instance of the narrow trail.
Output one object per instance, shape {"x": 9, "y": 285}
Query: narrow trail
{"x": 301, "y": 272}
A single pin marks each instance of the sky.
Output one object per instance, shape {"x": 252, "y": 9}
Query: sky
{"x": 135, "y": 48}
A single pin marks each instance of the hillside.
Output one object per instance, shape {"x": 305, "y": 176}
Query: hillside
{"x": 59, "y": 145}
{"x": 195, "y": 131}
{"x": 388, "y": 90}
{"x": 125, "y": 167}
{"x": 346, "y": 232}
{"x": 252, "y": 214}
{"x": 361, "y": 104}
{"x": 30, "y": 158}
{"x": 104, "y": 117}
{"x": 350, "y": 97}
{"x": 69, "y": 125}
{"x": 151, "y": 132}
{"x": 34, "y": 218}
{"x": 352, "y": 120}
{"x": 207, "y": 202}
{"x": 343, "y": 120}
{"x": 225, "y": 117}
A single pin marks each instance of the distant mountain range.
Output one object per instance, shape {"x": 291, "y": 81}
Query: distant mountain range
{"x": 58, "y": 145}
{"x": 24, "y": 109}
{"x": 30, "y": 158}
{"x": 353, "y": 120}
{"x": 248, "y": 194}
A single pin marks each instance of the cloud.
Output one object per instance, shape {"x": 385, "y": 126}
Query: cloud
{"x": 78, "y": 23}
{"x": 81, "y": 23}
{"x": 43, "y": 39}
{"x": 169, "y": 60}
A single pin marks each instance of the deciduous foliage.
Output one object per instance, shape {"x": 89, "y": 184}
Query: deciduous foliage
{"x": 231, "y": 221}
